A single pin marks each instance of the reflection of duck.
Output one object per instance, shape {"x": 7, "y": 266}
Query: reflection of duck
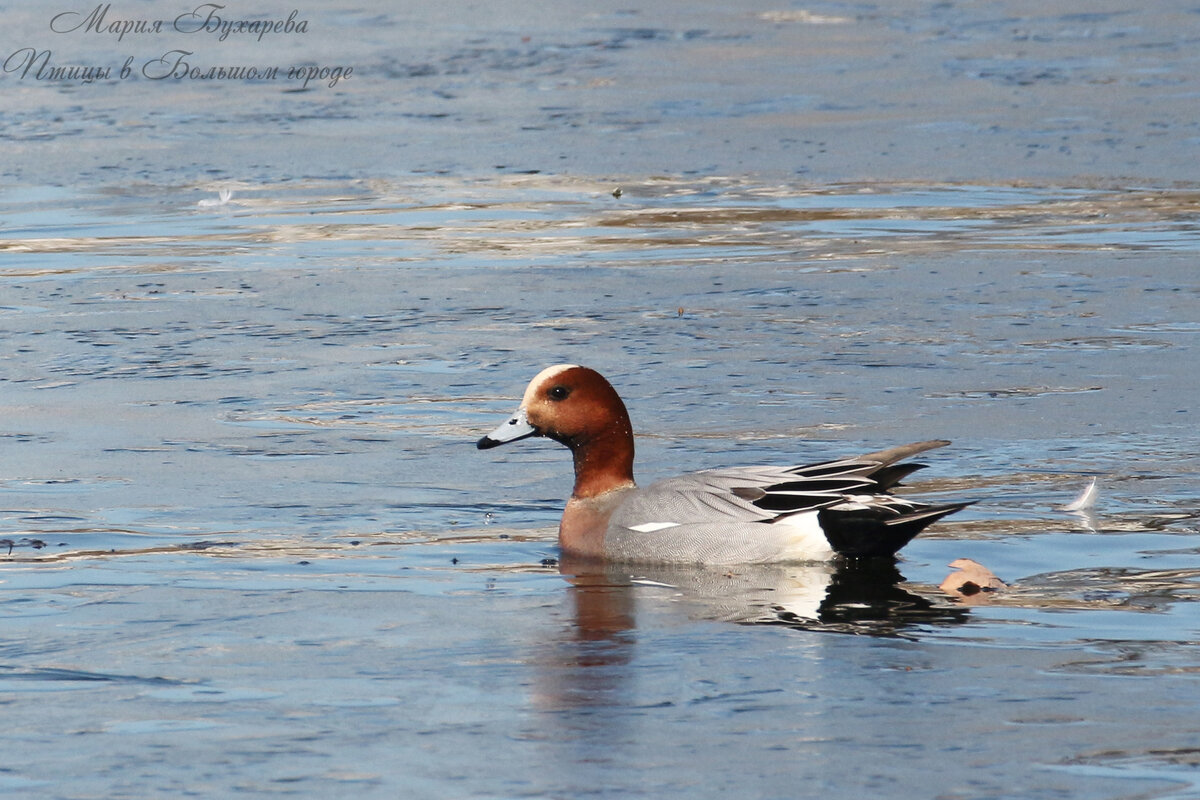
{"x": 716, "y": 517}
{"x": 861, "y": 596}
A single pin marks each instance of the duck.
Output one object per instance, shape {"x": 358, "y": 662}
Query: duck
{"x": 841, "y": 509}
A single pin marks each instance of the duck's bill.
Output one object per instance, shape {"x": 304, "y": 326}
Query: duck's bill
{"x": 517, "y": 427}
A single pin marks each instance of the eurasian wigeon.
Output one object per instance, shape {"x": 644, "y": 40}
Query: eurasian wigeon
{"x": 741, "y": 515}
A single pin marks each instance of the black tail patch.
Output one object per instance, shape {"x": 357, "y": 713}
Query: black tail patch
{"x": 877, "y": 532}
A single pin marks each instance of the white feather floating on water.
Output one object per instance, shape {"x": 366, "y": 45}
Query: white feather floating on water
{"x": 223, "y": 198}
{"x": 1086, "y": 499}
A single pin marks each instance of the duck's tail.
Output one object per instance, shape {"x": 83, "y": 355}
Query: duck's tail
{"x": 872, "y": 531}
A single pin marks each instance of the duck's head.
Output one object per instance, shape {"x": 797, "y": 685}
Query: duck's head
{"x": 568, "y": 403}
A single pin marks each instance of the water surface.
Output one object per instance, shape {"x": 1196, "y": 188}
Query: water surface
{"x": 250, "y": 548}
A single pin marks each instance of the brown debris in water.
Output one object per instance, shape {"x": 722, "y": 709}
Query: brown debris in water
{"x": 972, "y": 582}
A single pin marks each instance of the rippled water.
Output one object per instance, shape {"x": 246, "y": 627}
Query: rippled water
{"x": 243, "y": 498}
{"x": 250, "y": 548}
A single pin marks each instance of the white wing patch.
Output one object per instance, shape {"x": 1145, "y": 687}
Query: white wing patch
{"x": 651, "y": 527}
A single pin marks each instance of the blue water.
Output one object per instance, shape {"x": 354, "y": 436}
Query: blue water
{"x": 242, "y": 489}
{"x": 249, "y": 548}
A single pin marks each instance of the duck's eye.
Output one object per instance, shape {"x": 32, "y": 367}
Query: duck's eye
{"x": 558, "y": 393}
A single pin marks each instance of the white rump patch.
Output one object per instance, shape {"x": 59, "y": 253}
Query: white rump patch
{"x": 651, "y": 527}
{"x": 807, "y": 541}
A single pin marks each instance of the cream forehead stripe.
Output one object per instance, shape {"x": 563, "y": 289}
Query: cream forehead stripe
{"x": 542, "y": 377}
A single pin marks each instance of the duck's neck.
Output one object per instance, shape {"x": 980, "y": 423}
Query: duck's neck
{"x": 604, "y": 462}
{"x": 603, "y": 474}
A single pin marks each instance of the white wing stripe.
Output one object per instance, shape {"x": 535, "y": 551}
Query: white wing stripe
{"x": 651, "y": 527}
